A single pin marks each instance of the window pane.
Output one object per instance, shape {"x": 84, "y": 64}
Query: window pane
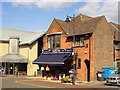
{"x": 57, "y": 39}
{"x": 79, "y": 63}
{"x": 79, "y": 41}
{"x": 52, "y": 42}
{"x": 82, "y": 41}
{"x": 57, "y": 44}
{"x": 48, "y": 42}
{"x": 117, "y": 45}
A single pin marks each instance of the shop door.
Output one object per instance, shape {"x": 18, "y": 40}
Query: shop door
{"x": 9, "y": 69}
{"x": 87, "y": 63}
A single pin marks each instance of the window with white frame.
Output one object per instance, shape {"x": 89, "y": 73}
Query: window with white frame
{"x": 79, "y": 41}
{"x": 54, "y": 41}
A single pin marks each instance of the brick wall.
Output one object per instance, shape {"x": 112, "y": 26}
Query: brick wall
{"x": 82, "y": 72}
{"x": 103, "y": 47}
{"x": 54, "y": 28}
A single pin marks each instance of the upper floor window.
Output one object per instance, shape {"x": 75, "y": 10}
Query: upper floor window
{"x": 54, "y": 41}
{"x": 79, "y": 41}
{"x": 117, "y": 45}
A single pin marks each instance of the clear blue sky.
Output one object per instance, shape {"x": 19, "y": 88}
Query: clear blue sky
{"x": 38, "y": 17}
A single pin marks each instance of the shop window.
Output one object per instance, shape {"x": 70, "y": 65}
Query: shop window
{"x": 54, "y": 41}
{"x": 79, "y": 63}
{"x": 79, "y": 41}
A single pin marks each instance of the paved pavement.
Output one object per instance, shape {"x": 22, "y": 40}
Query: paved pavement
{"x": 58, "y": 84}
{"x": 15, "y": 83}
{"x": 37, "y": 82}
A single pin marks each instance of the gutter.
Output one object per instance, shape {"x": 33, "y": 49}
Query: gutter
{"x": 115, "y": 27}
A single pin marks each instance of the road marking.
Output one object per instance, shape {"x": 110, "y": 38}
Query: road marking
{"x": 33, "y": 84}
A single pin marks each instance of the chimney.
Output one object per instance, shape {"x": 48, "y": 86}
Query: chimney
{"x": 14, "y": 45}
{"x": 67, "y": 20}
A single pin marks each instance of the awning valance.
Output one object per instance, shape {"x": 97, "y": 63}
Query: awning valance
{"x": 51, "y": 59}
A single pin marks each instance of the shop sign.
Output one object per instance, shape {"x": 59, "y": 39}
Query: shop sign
{"x": 58, "y": 51}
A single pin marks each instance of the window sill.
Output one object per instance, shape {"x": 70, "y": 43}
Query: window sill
{"x": 77, "y": 46}
{"x": 78, "y": 68}
{"x": 52, "y": 48}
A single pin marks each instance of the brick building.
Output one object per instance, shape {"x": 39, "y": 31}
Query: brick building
{"x": 94, "y": 45}
{"x": 116, "y": 47}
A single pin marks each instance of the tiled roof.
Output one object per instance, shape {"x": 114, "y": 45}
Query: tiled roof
{"x": 26, "y": 37}
{"x": 83, "y": 25}
{"x": 82, "y": 17}
{"x": 115, "y": 30}
{"x": 64, "y": 25}
{"x": 116, "y": 25}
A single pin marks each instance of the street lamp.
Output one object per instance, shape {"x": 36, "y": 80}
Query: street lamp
{"x": 74, "y": 74}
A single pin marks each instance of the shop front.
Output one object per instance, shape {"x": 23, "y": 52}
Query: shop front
{"x": 13, "y": 64}
{"x": 55, "y": 64}
{"x": 10, "y": 68}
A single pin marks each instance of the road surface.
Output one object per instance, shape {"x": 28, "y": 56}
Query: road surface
{"x": 30, "y": 83}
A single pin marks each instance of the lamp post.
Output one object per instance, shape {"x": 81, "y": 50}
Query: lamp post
{"x": 73, "y": 64}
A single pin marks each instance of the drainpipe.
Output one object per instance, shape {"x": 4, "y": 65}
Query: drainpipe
{"x": 28, "y": 59}
{"x": 115, "y": 56}
{"x": 90, "y": 55}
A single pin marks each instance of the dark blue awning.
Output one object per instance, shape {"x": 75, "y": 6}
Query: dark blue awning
{"x": 51, "y": 59}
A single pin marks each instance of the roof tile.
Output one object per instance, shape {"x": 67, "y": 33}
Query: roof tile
{"x": 83, "y": 25}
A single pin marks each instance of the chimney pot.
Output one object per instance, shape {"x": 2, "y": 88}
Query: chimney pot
{"x": 67, "y": 20}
